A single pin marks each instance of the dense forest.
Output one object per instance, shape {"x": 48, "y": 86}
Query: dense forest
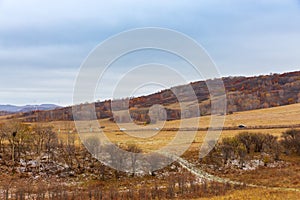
{"x": 243, "y": 93}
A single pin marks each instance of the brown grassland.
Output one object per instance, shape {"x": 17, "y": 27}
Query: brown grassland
{"x": 277, "y": 116}
{"x": 283, "y": 177}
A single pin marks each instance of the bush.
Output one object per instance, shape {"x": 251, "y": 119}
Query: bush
{"x": 245, "y": 144}
{"x": 232, "y": 148}
{"x": 291, "y": 141}
{"x": 252, "y": 141}
{"x": 258, "y": 142}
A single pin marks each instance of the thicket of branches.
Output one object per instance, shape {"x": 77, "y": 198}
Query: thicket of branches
{"x": 19, "y": 141}
{"x": 178, "y": 186}
{"x": 291, "y": 141}
{"x": 40, "y": 146}
{"x": 246, "y": 146}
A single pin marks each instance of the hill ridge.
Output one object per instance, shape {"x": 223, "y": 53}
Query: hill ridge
{"x": 243, "y": 93}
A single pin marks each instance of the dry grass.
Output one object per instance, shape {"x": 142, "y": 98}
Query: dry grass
{"x": 283, "y": 115}
{"x": 287, "y": 176}
{"x": 150, "y": 139}
{"x": 257, "y": 193}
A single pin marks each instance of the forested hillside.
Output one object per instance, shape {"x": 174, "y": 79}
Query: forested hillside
{"x": 243, "y": 93}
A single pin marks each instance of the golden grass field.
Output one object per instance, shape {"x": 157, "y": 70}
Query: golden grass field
{"x": 257, "y": 194}
{"x": 284, "y": 115}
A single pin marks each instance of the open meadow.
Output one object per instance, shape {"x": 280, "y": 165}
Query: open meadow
{"x": 274, "y": 179}
{"x": 272, "y": 121}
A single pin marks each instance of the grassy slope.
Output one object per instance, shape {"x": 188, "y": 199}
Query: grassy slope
{"x": 283, "y": 115}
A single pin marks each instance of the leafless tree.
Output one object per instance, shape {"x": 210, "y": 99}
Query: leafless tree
{"x": 116, "y": 157}
{"x": 18, "y": 136}
{"x": 155, "y": 160}
{"x": 135, "y": 150}
{"x": 93, "y": 145}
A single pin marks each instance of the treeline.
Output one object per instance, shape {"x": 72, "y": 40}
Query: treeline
{"x": 243, "y": 93}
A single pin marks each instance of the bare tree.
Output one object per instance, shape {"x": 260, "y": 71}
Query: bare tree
{"x": 154, "y": 161}
{"x": 135, "y": 150}
{"x": 92, "y": 144}
{"x": 18, "y": 136}
{"x": 116, "y": 157}
{"x": 40, "y": 134}
{"x": 69, "y": 149}
{"x": 51, "y": 141}
{"x": 2, "y": 137}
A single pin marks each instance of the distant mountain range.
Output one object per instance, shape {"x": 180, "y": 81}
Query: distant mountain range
{"x": 27, "y": 108}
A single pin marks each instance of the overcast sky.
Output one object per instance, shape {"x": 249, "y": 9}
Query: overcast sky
{"x": 43, "y": 43}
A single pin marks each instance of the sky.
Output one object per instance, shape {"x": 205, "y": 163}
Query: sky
{"x": 44, "y": 43}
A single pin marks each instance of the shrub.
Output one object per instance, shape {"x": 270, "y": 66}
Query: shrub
{"x": 258, "y": 142}
{"x": 244, "y": 145}
{"x": 228, "y": 148}
{"x": 291, "y": 141}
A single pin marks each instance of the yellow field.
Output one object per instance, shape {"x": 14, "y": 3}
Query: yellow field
{"x": 283, "y": 115}
{"x": 149, "y": 139}
{"x": 154, "y": 139}
{"x": 257, "y": 193}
